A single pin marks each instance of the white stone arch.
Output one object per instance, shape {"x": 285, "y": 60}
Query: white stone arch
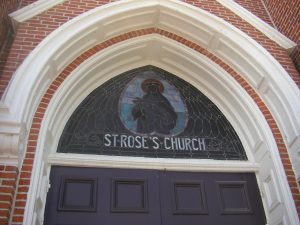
{"x": 247, "y": 57}
{"x": 201, "y": 72}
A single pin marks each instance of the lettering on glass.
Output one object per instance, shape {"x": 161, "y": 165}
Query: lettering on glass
{"x": 154, "y": 142}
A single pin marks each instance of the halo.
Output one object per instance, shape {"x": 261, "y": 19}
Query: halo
{"x": 148, "y": 82}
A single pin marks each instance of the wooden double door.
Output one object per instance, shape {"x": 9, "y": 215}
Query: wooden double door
{"x": 98, "y": 196}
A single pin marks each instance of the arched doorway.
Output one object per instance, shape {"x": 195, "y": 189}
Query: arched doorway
{"x": 149, "y": 113}
{"x": 156, "y": 48}
{"x": 63, "y": 106}
{"x": 212, "y": 82}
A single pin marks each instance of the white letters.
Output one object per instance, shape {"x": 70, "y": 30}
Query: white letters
{"x": 165, "y": 143}
{"x": 138, "y": 141}
{"x": 115, "y": 139}
{"x": 144, "y": 142}
{"x": 123, "y": 141}
{"x": 193, "y": 144}
{"x": 154, "y": 142}
{"x": 106, "y": 138}
{"x": 201, "y": 144}
{"x": 131, "y": 142}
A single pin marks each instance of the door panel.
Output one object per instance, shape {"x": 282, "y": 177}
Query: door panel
{"x": 77, "y": 194}
{"x": 234, "y": 197}
{"x": 93, "y": 196}
{"x": 129, "y": 196}
{"x": 90, "y": 196}
{"x": 210, "y": 198}
{"x": 188, "y": 198}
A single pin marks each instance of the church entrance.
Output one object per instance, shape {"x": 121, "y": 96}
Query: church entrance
{"x": 150, "y": 113}
{"x": 97, "y": 196}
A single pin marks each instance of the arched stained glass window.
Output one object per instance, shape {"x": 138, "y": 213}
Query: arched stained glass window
{"x": 148, "y": 112}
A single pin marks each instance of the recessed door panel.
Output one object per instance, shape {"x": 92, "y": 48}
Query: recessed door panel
{"x": 95, "y": 196}
{"x": 210, "y": 198}
{"x": 90, "y": 196}
{"x": 77, "y": 194}
{"x": 188, "y": 198}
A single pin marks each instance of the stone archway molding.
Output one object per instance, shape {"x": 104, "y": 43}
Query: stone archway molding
{"x": 242, "y": 53}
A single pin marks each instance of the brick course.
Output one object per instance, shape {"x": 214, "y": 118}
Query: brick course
{"x": 286, "y": 16}
{"x": 5, "y": 25}
{"x": 27, "y": 2}
{"x": 8, "y": 180}
{"x": 257, "y": 8}
{"x": 6, "y": 31}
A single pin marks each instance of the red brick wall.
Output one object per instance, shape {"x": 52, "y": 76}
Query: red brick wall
{"x": 8, "y": 177}
{"x": 257, "y": 8}
{"x": 6, "y": 30}
{"x": 33, "y": 31}
{"x": 26, "y": 2}
{"x": 286, "y": 16}
{"x": 5, "y": 26}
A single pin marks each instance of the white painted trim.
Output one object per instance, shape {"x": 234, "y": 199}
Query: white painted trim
{"x": 33, "y": 10}
{"x": 259, "y": 24}
{"x": 9, "y": 161}
{"x": 11, "y": 136}
{"x": 188, "y": 165}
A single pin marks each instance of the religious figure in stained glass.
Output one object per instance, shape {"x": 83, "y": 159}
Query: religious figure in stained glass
{"x": 151, "y": 105}
{"x": 153, "y": 112}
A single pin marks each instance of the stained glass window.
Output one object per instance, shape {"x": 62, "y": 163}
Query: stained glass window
{"x": 148, "y": 112}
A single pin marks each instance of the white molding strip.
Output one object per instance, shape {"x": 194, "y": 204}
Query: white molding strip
{"x": 194, "y": 165}
{"x": 32, "y": 10}
{"x": 9, "y": 161}
{"x": 259, "y": 24}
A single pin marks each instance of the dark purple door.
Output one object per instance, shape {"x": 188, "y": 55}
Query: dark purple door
{"x": 93, "y": 196}
{"x": 89, "y": 196}
{"x": 210, "y": 199}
